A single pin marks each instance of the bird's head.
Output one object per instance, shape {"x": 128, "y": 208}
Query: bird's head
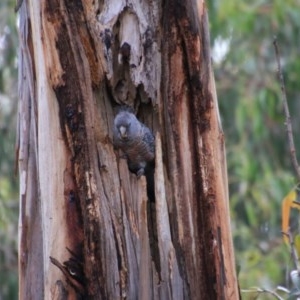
{"x": 126, "y": 125}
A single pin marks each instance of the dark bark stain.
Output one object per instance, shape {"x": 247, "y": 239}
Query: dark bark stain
{"x": 107, "y": 39}
{"x": 181, "y": 24}
{"x": 77, "y": 15}
{"x": 72, "y": 269}
{"x": 30, "y": 46}
{"x": 71, "y": 100}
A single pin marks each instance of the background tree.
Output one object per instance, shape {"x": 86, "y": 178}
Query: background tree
{"x": 79, "y": 204}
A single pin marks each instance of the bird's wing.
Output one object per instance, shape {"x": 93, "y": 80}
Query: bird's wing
{"x": 148, "y": 139}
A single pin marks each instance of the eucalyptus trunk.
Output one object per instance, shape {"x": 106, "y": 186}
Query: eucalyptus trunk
{"x": 87, "y": 228}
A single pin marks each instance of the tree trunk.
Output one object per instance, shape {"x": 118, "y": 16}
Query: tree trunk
{"x": 87, "y": 228}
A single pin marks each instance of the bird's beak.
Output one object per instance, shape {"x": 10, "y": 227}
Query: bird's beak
{"x": 123, "y": 132}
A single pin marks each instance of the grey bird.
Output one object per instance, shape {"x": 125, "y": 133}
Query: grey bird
{"x": 136, "y": 141}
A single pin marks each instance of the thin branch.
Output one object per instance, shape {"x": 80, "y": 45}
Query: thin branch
{"x": 294, "y": 253}
{"x": 261, "y": 291}
{"x": 288, "y": 122}
{"x": 18, "y": 5}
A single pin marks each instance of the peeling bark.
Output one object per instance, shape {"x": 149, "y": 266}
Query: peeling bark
{"x": 87, "y": 227}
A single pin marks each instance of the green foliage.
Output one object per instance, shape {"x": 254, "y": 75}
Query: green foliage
{"x": 260, "y": 171}
{"x": 259, "y": 163}
{"x": 8, "y": 180}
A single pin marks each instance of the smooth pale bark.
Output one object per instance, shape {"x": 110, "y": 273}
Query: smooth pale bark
{"x": 87, "y": 228}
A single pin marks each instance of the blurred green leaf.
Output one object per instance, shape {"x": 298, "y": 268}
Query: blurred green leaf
{"x": 8, "y": 181}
